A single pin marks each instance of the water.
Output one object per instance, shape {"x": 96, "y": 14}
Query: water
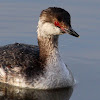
{"x": 14, "y": 93}
{"x": 18, "y": 21}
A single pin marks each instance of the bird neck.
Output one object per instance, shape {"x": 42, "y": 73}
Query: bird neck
{"x": 48, "y": 47}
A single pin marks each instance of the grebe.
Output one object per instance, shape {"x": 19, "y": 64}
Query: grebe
{"x": 39, "y": 67}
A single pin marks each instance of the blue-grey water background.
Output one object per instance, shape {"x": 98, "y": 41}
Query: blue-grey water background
{"x": 18, "y": 23}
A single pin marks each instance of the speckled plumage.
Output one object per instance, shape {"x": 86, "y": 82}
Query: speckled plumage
{"x": 39, "y": 67}
{"x": 18, "y": 54}
{"x": 19, "y": 60}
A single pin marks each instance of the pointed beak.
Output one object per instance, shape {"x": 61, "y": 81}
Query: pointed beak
{"x": 71, "y": 32}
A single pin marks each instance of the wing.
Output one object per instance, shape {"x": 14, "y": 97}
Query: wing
{"x": 18, "y": 59}
{"x": 18, "y": 54}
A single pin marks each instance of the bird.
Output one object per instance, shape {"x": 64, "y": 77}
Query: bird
{"x": 39, "y": 67}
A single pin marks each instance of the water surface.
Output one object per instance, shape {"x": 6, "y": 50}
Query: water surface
{"x": 14, "y": 93}
{"x": 18, "y": 23}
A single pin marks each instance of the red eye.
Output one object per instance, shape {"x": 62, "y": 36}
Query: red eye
{"x": 57, "y": 24}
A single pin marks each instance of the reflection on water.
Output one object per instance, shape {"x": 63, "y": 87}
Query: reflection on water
{"x": 8, "y": 92}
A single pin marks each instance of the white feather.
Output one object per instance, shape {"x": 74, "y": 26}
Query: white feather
{"x": 57, "y": 75}
{"x": 2, "y": 72}
{"x": 47, "y": 29}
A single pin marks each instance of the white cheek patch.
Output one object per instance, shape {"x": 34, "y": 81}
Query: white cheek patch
{"x": 50, "y": 29}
